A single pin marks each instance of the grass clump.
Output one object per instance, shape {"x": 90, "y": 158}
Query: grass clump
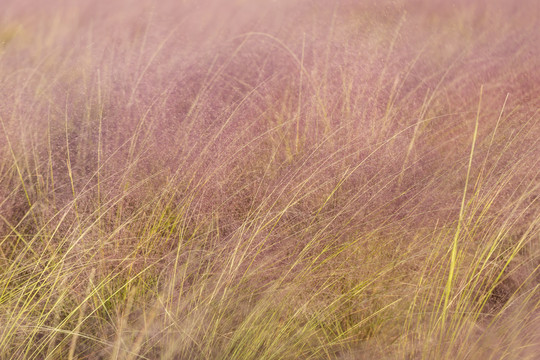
{"x": 279, "y": 180}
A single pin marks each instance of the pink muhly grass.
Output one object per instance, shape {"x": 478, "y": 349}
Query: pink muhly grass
{"x": 269, "y": 179}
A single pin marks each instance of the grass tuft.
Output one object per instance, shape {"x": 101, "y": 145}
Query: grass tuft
{"x": 269, "y": 180}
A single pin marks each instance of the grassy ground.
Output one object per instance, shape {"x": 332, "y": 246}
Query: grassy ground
{"x": 269, "y": 179}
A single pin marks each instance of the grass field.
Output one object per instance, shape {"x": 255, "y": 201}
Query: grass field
{"x": 226, "y": 179}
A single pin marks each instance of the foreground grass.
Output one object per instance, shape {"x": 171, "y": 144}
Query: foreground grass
{"x": 185, "y": 181}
